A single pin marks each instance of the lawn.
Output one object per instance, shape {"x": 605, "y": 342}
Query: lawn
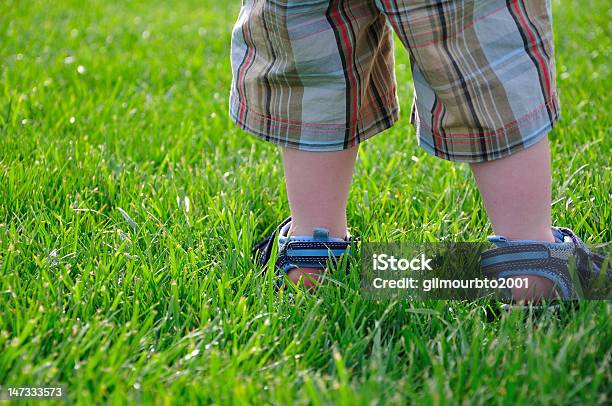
{"x": 129, "y": 203}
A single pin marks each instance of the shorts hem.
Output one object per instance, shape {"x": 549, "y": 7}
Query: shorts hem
{"x": 383, "y": 122}
{"x": 536, "y": 128}
{"x": 527, "y": 142}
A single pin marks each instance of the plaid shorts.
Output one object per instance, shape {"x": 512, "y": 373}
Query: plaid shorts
{"x": 318, "y": 75}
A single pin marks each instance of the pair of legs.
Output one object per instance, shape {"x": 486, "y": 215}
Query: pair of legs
{"x": 516, "y": 191}
{"x": 318, "y": 76}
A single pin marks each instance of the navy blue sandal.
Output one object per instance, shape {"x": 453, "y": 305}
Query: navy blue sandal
{"x": 513, "y": 258}
{"x": 301, "y": 251}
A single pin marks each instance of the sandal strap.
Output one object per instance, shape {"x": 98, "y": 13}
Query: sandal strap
{"x": 310, "y": 254}
{"x": 532, "y": 260}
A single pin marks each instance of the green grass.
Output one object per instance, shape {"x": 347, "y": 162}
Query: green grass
{"x": 164, "y": 305}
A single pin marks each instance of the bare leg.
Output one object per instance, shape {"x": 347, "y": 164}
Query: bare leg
{"x": 317, "y": 186}
{"x": 516, "y": 191}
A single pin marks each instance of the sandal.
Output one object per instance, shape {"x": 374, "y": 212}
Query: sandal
{"x": 301, "y": 251}
{"x": 513, "y": 258}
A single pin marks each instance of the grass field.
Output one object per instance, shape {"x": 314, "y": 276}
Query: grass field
{"x": 129, "y": 203}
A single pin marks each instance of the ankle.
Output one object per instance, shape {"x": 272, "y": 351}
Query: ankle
{"x": 539, "y": 234}
{"x": 336, "y": 230}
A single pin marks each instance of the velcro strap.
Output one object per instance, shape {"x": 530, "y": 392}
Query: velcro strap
{"x": 529, "y": 260}
{"x": 310, "y": 254}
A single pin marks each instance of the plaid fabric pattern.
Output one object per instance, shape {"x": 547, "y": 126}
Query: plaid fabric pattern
{"x": 319, "y": 76}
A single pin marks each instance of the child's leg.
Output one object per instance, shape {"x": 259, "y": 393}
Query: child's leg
{"x": 484, "y": 76}
{"x": 315, "y": 77}
{"x": 516, "y": 191}
{"x": 317, "y": 186}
